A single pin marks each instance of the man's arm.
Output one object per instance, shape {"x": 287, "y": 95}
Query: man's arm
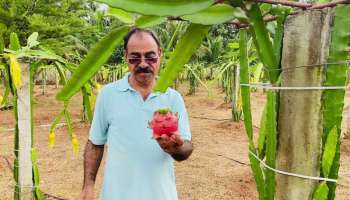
{"x": 92, "y": 159}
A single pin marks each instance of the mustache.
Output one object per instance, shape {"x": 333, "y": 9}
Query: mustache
{"x": 143, "y": 70}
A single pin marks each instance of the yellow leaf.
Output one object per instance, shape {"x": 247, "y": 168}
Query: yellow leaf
{"x": 15, "y": 70}
{"x": 75, "y": 143}
{"x": 52, "y": 138}
{"x": 1, "y": 99}
{"x": 105, "y": 73}
{"x": 92, "y": 99}
{"x": 98, "y": 87}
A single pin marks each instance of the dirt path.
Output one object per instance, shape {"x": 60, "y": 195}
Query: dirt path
{"x": 217, "y": 170}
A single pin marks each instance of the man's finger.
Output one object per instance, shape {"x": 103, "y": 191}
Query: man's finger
{"x": 165, "y": 137}
{"x": 177, "y": 139}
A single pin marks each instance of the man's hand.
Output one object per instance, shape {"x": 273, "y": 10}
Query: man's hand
{"x": 179, "y": 149}
{"x": 86, "y": 194}
{"x": 170, "y": 144}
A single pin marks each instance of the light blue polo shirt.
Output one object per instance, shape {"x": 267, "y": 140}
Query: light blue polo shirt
{"x": 136, "y": 167}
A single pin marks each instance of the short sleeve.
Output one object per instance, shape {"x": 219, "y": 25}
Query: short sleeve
{"x": 180, "y": 108}
{"x": 99, "y": 125}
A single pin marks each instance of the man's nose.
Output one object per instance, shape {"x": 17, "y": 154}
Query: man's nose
{"x": 143, "y": 63}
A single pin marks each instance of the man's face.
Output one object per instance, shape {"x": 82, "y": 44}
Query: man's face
{"x": 143, "y": 57}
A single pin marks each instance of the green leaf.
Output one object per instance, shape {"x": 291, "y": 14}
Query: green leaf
{"x": 329, "y": 151}
{"x": 245, "y": 92}
{"x": 87, "y": 92}
{"x": 149, "y": 21}
{"x": 7, "y": 87}
{"x": 56, "y": 121}
{"x": 32, "y": 40}
{"x": 323, "y": 1}
{"x": 197, "y": 77}
{"x": 60, "y": 70}
{"x": 14, "y": 42}
{"x": 265, "y": 8}
{"x": 16, "y": 148}
{"x": 278, "y": 38}
{"x": 187, "y": 45}
{"x": 96, "y": 57}
{"x": 40, "y": 55}
{"x": 216, "y": 14}
{"x": 336, "y": 74}
{"x": 271, "y": 144}
{"x": 37, "y": 191}
{"x": 257, "y": 173}
{"x": 68, "y": 119}
{"x": 122, "y": 15}
{"x": 160, "y": 7}
{"x": 262, "y": 41}
{"x": 244, "y": 76}
{"x": 321, "y": 192}
{"x": 233, "y": 45}
{"x": 2, "y": 44}
{"x": 262, "y": 133}
{"x": 256, "y": 72}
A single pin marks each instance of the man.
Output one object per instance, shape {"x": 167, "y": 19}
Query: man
{"x": 138, "y": 167}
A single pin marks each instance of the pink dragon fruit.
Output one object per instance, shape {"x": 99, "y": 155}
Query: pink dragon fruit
{"x": 164, "y": 122}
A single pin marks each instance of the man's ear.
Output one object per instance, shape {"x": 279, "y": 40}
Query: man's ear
{"x": 160, "y": 52}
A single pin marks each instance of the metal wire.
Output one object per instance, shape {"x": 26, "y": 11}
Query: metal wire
{"x": 272, "y": 87}
{"x": 292, "y": 174}
{"x": 288, "y": 69}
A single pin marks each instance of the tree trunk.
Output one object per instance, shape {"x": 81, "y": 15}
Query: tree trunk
{"x": 306, "y": 42}
{"x": 25, "y": 180}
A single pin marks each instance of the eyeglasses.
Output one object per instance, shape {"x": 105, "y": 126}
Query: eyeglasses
{"x": 136, "y": 61}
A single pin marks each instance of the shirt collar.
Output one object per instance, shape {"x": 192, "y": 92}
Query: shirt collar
{"x": 124, "y": 85}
